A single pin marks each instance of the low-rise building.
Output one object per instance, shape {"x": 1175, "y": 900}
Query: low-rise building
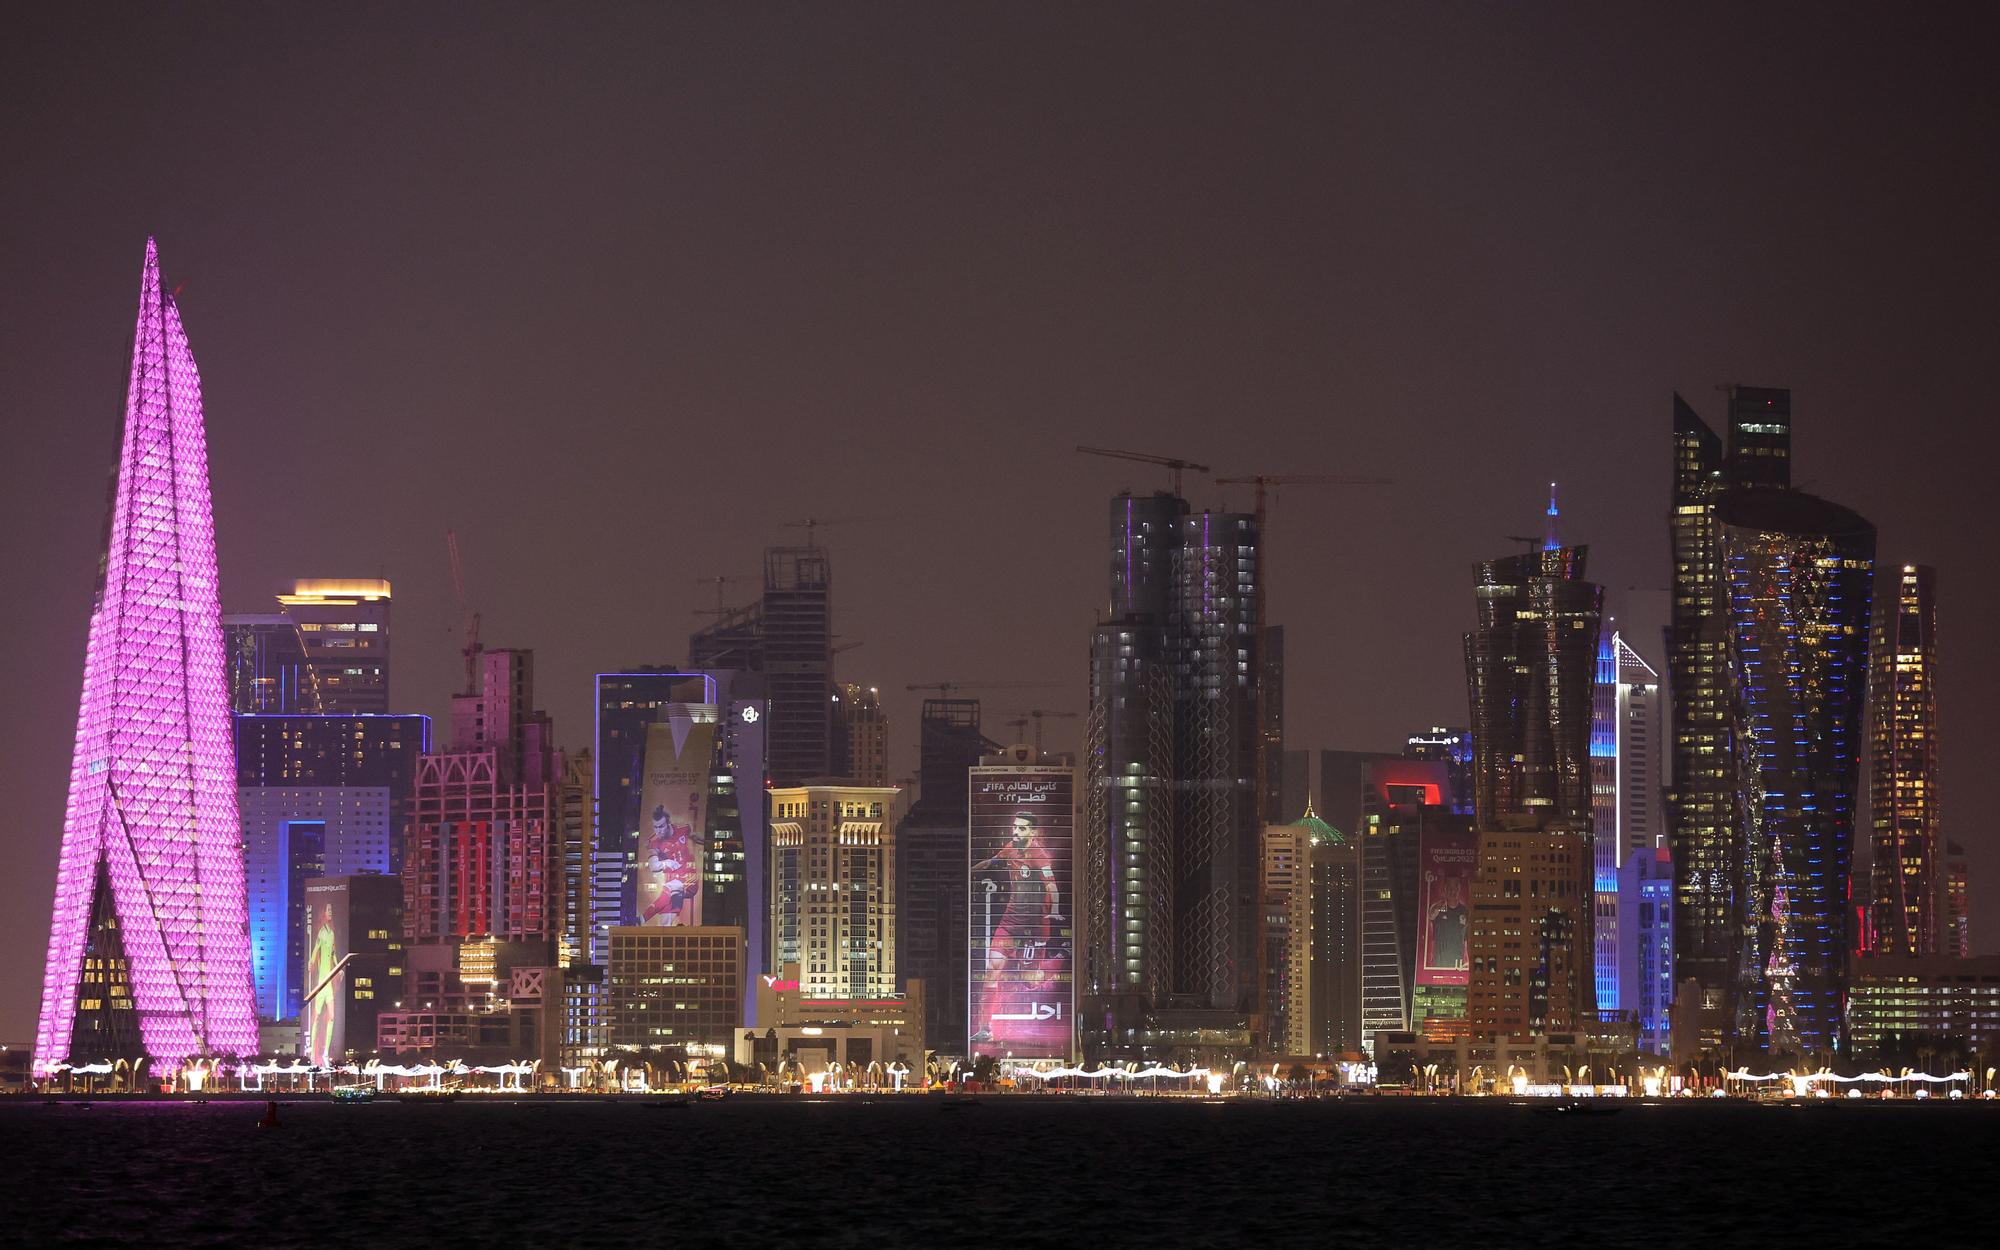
{"x": 811, "y": 1034}
{"x": 674, "y": 987}
{"x": 1896, "y": 1000}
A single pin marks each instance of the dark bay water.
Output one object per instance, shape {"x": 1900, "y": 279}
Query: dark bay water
{"x": 998, "y": 1175}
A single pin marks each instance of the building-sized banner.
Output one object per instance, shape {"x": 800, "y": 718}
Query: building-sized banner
{"x": 1444, "y": 905}
{"x": 323, "y": 988}
{"x": 673, "y": 806}
{"x": 1022, "y": 942}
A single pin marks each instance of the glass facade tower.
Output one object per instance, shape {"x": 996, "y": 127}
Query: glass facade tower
{"x": 1768, "y": 655}
{"x": 1172, "y": 830}
{"x": 1910, "y": 903}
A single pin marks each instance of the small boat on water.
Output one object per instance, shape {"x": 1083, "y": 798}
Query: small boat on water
{"x": 714, "y": 1093}
{"x": 1577, "y": 1106}
{"x": 354, "y": 1093}
{"x": 661, "y": 1104}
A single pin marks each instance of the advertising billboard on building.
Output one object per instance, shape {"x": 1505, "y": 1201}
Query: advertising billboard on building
{"x": 1021, "y": 948}
{"x": 323, "y": 985}
{"x": 673, "y": 808}
{"x": 1446, "y": 858}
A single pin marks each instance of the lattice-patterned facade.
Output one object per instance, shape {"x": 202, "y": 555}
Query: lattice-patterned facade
{"x": 483, "y": 857}
{"x": 151, "y": 819}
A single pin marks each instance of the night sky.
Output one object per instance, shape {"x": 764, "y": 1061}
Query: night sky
{"x": 616, "y": 292}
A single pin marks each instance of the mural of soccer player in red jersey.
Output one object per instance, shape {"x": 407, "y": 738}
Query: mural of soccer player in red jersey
{"x": 1022, "y": 939}
{"x": 672, "y": 836}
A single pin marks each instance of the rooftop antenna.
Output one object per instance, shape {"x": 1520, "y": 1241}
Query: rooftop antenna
{"x": 1553, "y": 537}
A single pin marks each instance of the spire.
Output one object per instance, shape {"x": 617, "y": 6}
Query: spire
{"x": 1552, "y": 534}
{"x": 151, "y": 828}
{"x": 1318, "y": 831}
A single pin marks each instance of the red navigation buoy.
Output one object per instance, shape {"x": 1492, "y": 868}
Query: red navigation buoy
{"x": 270, "y": 1119}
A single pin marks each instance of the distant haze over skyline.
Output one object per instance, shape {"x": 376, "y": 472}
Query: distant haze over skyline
{"x": 615, "y": 294}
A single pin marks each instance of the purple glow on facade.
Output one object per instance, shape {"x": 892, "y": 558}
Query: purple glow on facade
{"x": 152, "y": 784}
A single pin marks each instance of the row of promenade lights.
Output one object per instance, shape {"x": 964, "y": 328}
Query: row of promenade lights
{"x": 1653, "y": 1081}
{"x": 201, "y": 1075}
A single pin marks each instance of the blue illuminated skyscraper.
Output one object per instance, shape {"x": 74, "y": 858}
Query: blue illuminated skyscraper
{"x": 1768, "y": 655}
{"x": 1625, "y": 739}
{"x": 1645, "y": 945}
{"x": 318, "y": 796}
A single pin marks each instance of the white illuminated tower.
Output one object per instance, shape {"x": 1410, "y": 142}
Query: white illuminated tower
{"x": 1625, "y": 790}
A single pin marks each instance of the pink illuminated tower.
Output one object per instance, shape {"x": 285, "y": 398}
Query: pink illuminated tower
{"x": 149, "y": 951}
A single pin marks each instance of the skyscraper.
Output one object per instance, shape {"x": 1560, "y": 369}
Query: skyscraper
{"x": 352, "y": 966}
{"x": 1910, "y": 903}
{"x": 1288, "y": 932}
{"x": 734, "y": 834}
{"x": 788, "y": 636}
{"x": 343, "y": 624}
{"x": 149, "y": 951}
{"x": 1768, "y": 655}
{"x": 1701, "y": 796}
{"x": 860, "y": 736}
{"x": 576, "y": 809}
{"x": 317, "y": 796}
{"x": 1531, "y": 666}
{"x": 268, "y": 670}
{"x": 833, "y": 888}
{"x": 1530, "y": 971}
{"x": 1171, "y": 837}
{"x": 932, "y": 904}
{"x": 1416, "y": 860}
{"x": 1532, "y": 673}
{"x": 1333, "y": 965}
{"x": 1957, "y": 903}
{"x": 1452, "y": 748}
{"x": 484, "y": 857}
{"x": 1625, "y": 782}
{"x": 1645, "y": 956}
{"x": 932, "y": 850}
{"x": 1020, "y": 941}
{"x": 950, "y": 743}
{"x": 1271, "y": 722}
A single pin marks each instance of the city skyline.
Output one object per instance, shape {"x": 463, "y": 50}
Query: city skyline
{"x": 825, "y": 367}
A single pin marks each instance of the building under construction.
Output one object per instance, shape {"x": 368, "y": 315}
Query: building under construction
{"x": 788, "y": 636}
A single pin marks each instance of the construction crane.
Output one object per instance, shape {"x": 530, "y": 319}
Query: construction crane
{"x": 946, "y": 687}
{"x": 470, "y": 619}
{"x": 1264, "y": 481}
{"x": 720, "y": 608}
{"x": 813, "y": 524}
{"x": 1263, "y": 484}
{"x": 1020, "y": 721}
{"x": 1173, "y": 464}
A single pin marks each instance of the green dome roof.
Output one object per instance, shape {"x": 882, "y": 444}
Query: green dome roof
{"x": 1321, "y": 833}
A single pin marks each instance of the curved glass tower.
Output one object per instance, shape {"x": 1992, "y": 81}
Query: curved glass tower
{"x": 1768, "y": 659}
{"x": 149, "y": 950}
